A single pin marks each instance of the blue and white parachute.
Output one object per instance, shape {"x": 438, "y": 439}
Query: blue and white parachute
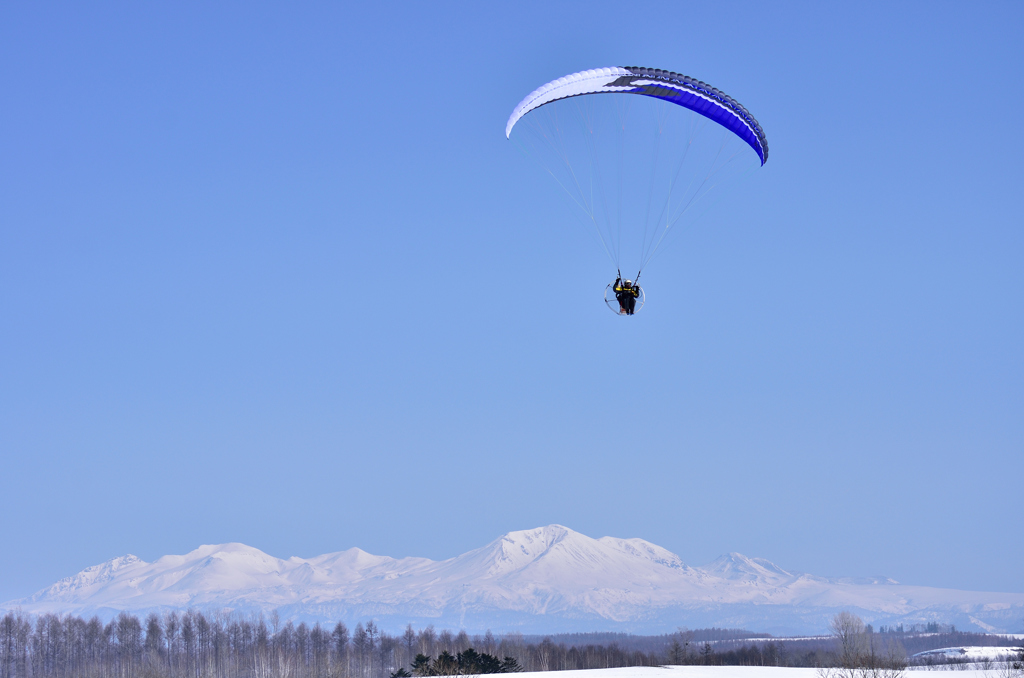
{"x": 652, "y": 82}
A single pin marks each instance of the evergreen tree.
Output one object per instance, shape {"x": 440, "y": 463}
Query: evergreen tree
{"x": 510, "y": 665}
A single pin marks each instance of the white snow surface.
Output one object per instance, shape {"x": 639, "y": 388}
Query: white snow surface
{"x": 971, "y": 653}
{"x": 715, "y": 672}
{"x": 545, "y": 580}
{"x": 685, "y": 672}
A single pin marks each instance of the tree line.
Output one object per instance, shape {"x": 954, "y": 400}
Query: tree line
{"x": 194, "y": 644}
{"x": 197, "y": 645}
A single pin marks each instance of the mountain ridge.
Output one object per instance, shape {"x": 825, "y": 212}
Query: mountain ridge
{"x": 542, "y": 580}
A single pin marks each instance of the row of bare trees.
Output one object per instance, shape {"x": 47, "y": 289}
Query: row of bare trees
{"x": 197, "y": 645}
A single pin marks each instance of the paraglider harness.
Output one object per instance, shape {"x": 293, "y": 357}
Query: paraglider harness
{"x": 626, "y": 293}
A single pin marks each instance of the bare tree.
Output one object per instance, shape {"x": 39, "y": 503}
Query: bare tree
{"x": 857, "y": 653}
{"x": 340, "y": 637}
{"x": 848, "y": 631}
{"x": 1012, "y": 666}
{"x": 427, "y": 640}
{"x": 488, "y": 642}
{"x": 360, "y": 646}
{"x": 409, "y": 638}
{"x": 446, "y": 641}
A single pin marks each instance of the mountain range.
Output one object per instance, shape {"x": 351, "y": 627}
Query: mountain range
{"x": 546, "y": 580}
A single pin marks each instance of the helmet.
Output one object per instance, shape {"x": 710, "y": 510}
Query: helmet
{"x": 627, "y": 283}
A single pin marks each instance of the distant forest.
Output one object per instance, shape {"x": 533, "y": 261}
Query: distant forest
{"x": 196, "y": 645}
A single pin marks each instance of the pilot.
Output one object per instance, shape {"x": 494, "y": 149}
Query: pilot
{"x": 626, "y": 293}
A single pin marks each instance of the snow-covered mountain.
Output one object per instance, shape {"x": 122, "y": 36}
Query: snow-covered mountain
{"x": 537, "y": 581}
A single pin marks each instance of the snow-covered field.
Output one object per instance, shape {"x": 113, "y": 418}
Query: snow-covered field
{"x": 970, "y": 653}
{"x": 684, "y": 672}
{"x": 714, "y": 672}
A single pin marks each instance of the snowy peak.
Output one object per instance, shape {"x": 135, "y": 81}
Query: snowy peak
{"x": 553, "y": 546}
{"x": 555, "y": 553}
{"x": 351, "y": 561}
{"x": 737, "y": 567}
{"x": 219, "y": 567}
{"x": 638, "y": 548}
{"x": 91, "y": 577}
{"x": 516, "y": 550}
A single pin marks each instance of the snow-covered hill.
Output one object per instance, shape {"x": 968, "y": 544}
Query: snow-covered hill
{"x": 543, "y": 580}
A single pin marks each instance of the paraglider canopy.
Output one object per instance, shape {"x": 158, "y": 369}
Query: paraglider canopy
{"x": 652, "y": 82}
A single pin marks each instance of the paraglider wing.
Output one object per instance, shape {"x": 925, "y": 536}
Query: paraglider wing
{"x": 666, "y": 85}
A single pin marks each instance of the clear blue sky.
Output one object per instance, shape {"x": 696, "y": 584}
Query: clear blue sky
{"x": 222, "y": 231}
